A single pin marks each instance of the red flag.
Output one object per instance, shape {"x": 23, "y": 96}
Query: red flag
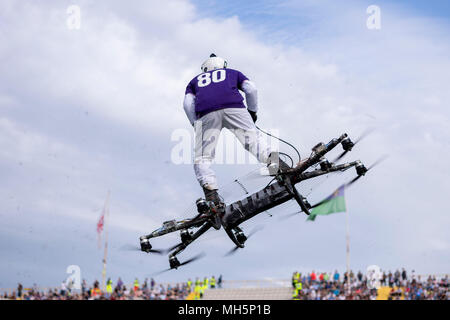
{"x": 100, "y": 223}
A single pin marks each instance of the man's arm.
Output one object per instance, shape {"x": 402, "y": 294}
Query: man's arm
{"x": 189, "y": 107}
{"x": 251, "y": 95}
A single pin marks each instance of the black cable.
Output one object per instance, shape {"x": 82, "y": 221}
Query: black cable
{"x": 290, "y": 158}
{"x": 270, "y": 135}
{"x": 270, "y": 182}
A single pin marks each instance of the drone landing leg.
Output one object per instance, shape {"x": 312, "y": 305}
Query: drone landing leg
{"x": 297, "y": 196}
{"x": 173, "y": 261}
{"x": 237, "y": 236}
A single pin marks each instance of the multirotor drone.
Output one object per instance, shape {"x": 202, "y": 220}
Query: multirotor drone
{"x": 281, "y": 190}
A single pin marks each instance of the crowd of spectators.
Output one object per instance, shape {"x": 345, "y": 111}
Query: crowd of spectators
{"x": 351, "y": 286}
{"x": 310, "y": 286}
{"x": 148, "y": 290}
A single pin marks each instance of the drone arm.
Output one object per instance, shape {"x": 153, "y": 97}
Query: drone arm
{"x": 318, "y": 152}
{"x": 194, "y": 237}
{"x": 299, "y": 198}
{"x": 319, "y": 172}
{"x": 278, "y": 192}
{"x": 179, "y": 226}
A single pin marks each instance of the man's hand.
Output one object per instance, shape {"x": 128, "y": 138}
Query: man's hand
{"x": 254, "y": 116}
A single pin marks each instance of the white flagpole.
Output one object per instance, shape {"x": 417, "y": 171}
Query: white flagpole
{"x": 106, "y": 242}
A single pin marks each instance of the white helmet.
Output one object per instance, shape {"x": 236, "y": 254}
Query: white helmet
{"x": 213, "y": 62}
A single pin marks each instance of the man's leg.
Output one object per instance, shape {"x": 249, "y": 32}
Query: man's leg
{"x": 207, "y": 131}
{"x": 239, "y": 121}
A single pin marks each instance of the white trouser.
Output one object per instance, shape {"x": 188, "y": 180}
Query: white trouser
{"x": 207, "y": 131}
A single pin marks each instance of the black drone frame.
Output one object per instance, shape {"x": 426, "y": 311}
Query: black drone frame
{"x": 280, "y": 191}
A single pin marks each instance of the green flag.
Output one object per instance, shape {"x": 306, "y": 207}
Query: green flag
{"x": 332, "y": 204}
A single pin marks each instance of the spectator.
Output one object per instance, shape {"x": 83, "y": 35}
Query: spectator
{"x": 390, "y": 279}
{"x": 63, "y": 288}
{"x": 313, "y": 277}
{"x": 294, "y": 279}
{"x": 145, "y": 286}
{"x": 109, "y": 288}
{"x": 404, "y": 276}
{"x": 19, "y": 290}
{"x": 360, "y": 276}
{"x": 70, "y": 286}
{"x": 397, "y": 277}
{"x": 152, "y": 283}
{"x": 83, "y": 287}
{"x": 119, "y": 284}
{"x": 336, "y": 276}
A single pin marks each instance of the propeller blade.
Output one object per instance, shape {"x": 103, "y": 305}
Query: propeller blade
{"x": 232, "y": 251}
{"x": 129, "y": 247}
{"x": 251, "y": 233}
{"x": 199, "y": 256}
{"x": 173, "y": 247}
{"x": 262, "y": 173}
{"x": 354, "y": 179}
{"x": 380, "y": 160}
{"x": 364, "y": 135}
{"x": 157, "y": 251}
{"x": 318, "y": 203}
{"x": 255, "y": 230}
{"x": 288, "y": 216}
{"x": 340, "y": 156}
{"x": 159, "y": 272}
{"x": 348, "y": 184}
{"x": 361, "y": 137}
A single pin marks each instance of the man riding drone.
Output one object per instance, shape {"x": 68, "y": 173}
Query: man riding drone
{"x": 212, "y": 102}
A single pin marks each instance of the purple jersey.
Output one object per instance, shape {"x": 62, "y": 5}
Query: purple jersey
{"x": 217, "y": 89}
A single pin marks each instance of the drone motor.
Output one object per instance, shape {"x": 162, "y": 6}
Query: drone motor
{"x": 202, "y": 206}
{"x": 240, "y": 236}
{"x": 145, "y": 244}
{"x": 186, "y": 236}
{"x": 360, "y": 169}
{"x": 174, "y": 263}
{"x": 347, "y": 144}
{"x": 325, "y": 164}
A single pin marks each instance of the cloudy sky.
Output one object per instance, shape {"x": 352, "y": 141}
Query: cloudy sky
{"x": 84, "y": 111}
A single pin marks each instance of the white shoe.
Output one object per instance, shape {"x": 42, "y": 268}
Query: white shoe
{"x": 273, "y": 169}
